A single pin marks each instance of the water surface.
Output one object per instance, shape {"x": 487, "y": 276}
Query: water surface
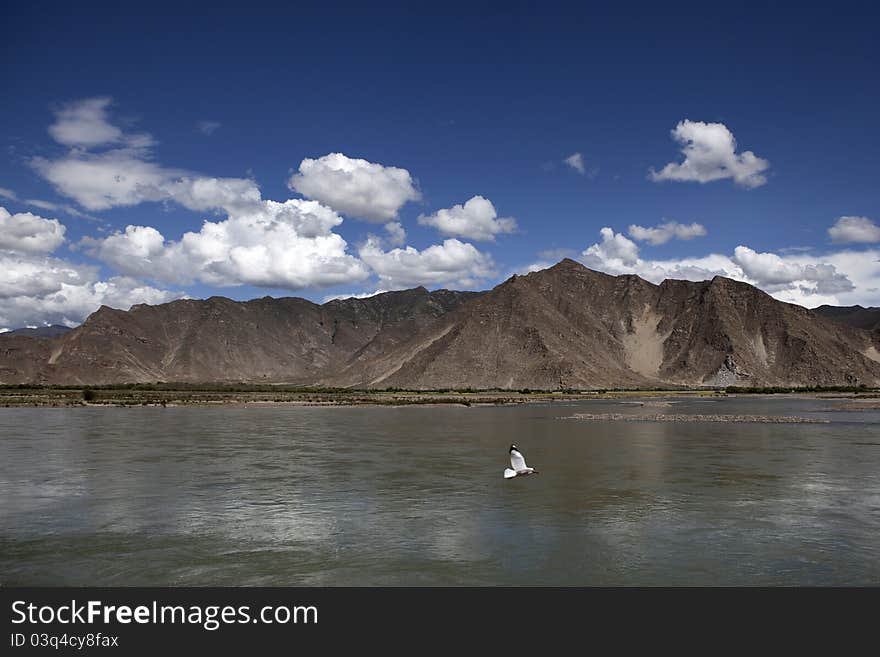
{"x": 415, "y": 495}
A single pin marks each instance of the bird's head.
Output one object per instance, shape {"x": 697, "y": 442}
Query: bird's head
{"x": 514, "y": 448}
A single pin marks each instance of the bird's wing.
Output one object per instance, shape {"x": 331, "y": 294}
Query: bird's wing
{"x": 509, "y": 474}
{"x": 517, "y": 462}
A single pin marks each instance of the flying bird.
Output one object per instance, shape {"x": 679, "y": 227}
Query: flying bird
{"x": 518, "y": 465}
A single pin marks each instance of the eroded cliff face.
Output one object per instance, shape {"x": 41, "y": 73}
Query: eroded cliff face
{"x": 563, "y": 327}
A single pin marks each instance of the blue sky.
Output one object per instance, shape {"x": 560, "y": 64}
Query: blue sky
{"x": 207, "y": 112}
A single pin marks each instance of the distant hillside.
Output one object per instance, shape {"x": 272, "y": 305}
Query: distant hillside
{"x": 562, "y": 327}
{"x": 863, "y": 318}
{"x": 41, "y": 331}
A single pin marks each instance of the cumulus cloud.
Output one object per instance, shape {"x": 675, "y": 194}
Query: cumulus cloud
{"x": 710, "y": 154}
{"x": 806, "y": 279}
{"x": 854, "y": 229}
{"x": 355, "y": 187}
{"x": 476, "y": 220}
{"x": 208, "y": 193}
{"x": 614, "y": 250}
{"x": 37, "y": 289}
{"x": 289, "y": 245}
{"x": 33, "y": 275}
{"x": 29, "y": 233}
{"x": 450, "y": 264}
{"x": 666, "y": 231}
{"x": 773, "y": 273}
{"x": 576, "y": 162}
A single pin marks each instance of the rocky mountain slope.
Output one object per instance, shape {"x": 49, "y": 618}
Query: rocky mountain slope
{"x": 571, "y": 327}
{"x": 563, "y": 327}
{"x": 287, "y": 340}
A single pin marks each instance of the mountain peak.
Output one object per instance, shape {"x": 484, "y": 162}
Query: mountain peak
{"x": 569, "y": 263}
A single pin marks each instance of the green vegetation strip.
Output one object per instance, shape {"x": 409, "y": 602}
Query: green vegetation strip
{"x": 180, "y": 394}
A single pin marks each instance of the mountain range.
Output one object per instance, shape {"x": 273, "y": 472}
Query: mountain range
{"x": 563, "y": 327}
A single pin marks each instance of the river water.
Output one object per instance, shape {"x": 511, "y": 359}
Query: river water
{"x": 415, "y": 496}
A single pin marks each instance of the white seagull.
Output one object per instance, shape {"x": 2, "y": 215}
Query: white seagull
{"x": 518, "y": 465}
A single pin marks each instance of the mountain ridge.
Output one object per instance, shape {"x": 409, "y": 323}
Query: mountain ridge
{"x": 856, "y": 316}
{"x": 562, "y": 327}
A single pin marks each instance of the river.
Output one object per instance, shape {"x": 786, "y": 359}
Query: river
{"x": 283, "y": 495}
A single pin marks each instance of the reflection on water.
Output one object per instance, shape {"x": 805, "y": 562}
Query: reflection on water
{"x": 329, "y": 496}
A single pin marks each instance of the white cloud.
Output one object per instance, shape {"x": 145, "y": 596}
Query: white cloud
{"x": 842, "y": 278}
{"x": 576, "y": 162}
{"x": 70, "y": 304}
{"x": 40, "y": 289}
{"x": 854, "y": 229}
{"x": 124, "y": 177}
{"x": 29, "y": 233}
{"x": 773, "y": 273}
{"x": 287, "y": 245}
{"x": 861, "y": 267}
{"x": 207, "y": 193}
{"x": 396, "y": 233}
{"x": 667, "y": 231}
{"x": 125, "y": 174}
{"x": 111, "y": 179}
{"x": 264, "y": 243}
{"x": 208, "y": 127}
{"x": 450, "y": 264}
{"x": 355, "y": 187}
{"x": 84, "y": 124}
{"x": 37, "y": 275}
{"x": 710, "y": 154}
{"x": 615, "y": 250}
{"x": 476, "y": 220}
{"x": 37, "y": 288}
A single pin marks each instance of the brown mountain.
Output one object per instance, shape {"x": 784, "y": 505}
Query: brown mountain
{"x": 566, "y": 326}
{"x": 572, "y": 327}
{"x": 858, "y": 316}
{"x": 286, "y": 340}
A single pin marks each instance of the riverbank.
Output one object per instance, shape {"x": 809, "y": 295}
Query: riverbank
{"x": 695, "y": 417}
{"x": 190, "y": 395}
{"x": 212, "y": 397}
